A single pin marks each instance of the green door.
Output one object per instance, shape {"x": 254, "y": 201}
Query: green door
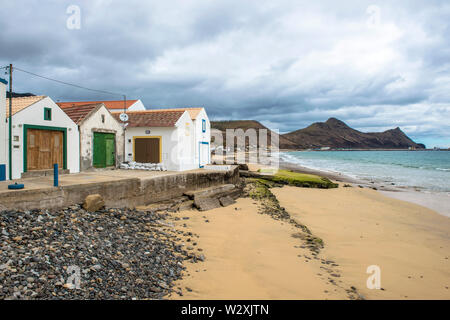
{"x": 110, "y": 151}
{"x": 104, "y": 149}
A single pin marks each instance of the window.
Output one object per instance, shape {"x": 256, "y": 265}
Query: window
{"x": 203, "y": 125}
{"x": 103, "y": 118}
{"x": 47, "y": 114}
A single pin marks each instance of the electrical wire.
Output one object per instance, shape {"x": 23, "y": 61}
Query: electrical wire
{"x": 67, "y": 83}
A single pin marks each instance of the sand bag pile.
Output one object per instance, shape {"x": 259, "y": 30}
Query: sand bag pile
{"x": 133, "y": 165}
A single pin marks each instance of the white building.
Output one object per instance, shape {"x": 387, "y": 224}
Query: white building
{"x": 112, "y": 105}
{"x": 202, "y": 134}
{"x": 101, "y": 136}
{"x": 43, "y": 134}
{"x": 161, "y": 136}
{"x": 3, "y": 132}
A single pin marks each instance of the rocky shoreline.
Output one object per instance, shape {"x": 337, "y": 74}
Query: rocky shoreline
{"x": 129, "y": 254}
{"x": 76, "y": 254}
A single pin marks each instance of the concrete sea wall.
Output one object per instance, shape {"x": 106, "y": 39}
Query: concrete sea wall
{"x": 127, "y": 192}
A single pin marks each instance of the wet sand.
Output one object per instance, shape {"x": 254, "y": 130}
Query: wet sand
{"x": 252, "y": 256}
{"x": 362, "y": 227}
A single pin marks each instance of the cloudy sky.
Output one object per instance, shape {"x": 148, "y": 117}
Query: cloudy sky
{"x": 373, "y": 64}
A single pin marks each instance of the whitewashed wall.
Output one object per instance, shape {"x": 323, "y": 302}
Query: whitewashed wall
{"x": 137, "y": 106}
{"x": 3, "y": 132}
{"x": 186, "y": 136}
{"x": 94, "y": 124}
{"x": 201, "y": 136}
{"x": 34, "y": 115}
{"x": 177, "y": 143}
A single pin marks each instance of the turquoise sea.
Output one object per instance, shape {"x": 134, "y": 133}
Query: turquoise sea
{"x": 423, "y": 170}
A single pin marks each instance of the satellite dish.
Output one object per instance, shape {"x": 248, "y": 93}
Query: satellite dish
{"x": 123, "y": 117}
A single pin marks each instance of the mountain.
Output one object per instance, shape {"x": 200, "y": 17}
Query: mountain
{"x": 336, "y": 134}
{"x": 222, "y": 126}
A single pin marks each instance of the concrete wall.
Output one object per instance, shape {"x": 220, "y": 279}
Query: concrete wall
{"x": 129, "y": 192}
{"x": 177, "y": 143}
{"x": 3, "y": 131}
{"x": 94, "y": 123}
{"x": 34, "y": 115}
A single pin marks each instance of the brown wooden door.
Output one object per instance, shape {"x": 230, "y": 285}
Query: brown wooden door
{"x": 146, "y": 150}
{"x": 44, "y": 148}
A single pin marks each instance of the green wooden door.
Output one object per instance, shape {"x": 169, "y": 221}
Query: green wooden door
{"x": 104, "y": 149}
{"x": 110, "y": 151}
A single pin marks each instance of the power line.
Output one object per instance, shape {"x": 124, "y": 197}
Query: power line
{"x": 67, "y": 83}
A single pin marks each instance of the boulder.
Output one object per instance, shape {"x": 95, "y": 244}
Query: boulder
{"x": 211, "y": 191}
{"x": 206, "y": 203}
{"x": 186, "y": 205}
{"x": 93, "y": 202}
{"x": 226, "y": 201}
{"x": 243, "y": 166}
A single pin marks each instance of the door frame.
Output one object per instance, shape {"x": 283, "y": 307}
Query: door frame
{"x": 200, "y": 153}
{"x": 25, "y": 142}
{"x": 148, "y": 137}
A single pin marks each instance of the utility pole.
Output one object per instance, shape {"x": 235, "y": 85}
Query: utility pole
{"x": 124, "y": 128}
{"x": 10, "y": 121}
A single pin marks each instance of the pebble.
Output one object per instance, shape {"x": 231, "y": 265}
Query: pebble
{"x": 41, "y": 250}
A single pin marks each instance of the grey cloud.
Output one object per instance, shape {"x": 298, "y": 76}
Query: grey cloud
{"x": 284, "y": 63}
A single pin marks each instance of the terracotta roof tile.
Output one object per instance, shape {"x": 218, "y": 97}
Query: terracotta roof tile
{"x": 112, "y": 104}
{"x": 79, "y": 112}
{"x": 193, "y": 112}
{"x": 152, "y": 118}
{"x": 21, "y": 103}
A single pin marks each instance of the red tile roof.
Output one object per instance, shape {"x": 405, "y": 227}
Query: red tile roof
{"x": 79, "y": 112}
{"x": 112, "y": 104}
{"x": 21, "y": 103}
{"x": 193, "y": 112}
{"x": 152, "y": 118}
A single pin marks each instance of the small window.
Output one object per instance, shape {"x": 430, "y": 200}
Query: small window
{"x": 47, "y": 114}
{"x": 203, "y": 125}
{"x": 103, "y": 118}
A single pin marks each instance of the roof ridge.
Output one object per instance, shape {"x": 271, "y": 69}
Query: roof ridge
{"x": 153, "y": 110}
{"x": 84, "y": 105}
{"x": 96, "y": 101}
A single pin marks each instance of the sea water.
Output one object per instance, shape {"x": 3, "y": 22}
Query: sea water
{"x": 420, "y": 170}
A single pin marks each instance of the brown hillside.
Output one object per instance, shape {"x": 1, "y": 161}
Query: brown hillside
{"x": 336, "y": 134}
{"x": 284, "y": 143}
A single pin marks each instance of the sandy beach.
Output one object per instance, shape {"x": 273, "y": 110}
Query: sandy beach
{"x": 252, "y": 256}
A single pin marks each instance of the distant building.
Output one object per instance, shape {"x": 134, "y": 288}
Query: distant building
{"x": 101, "y": 136}
{"x": 112, "y": 105}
